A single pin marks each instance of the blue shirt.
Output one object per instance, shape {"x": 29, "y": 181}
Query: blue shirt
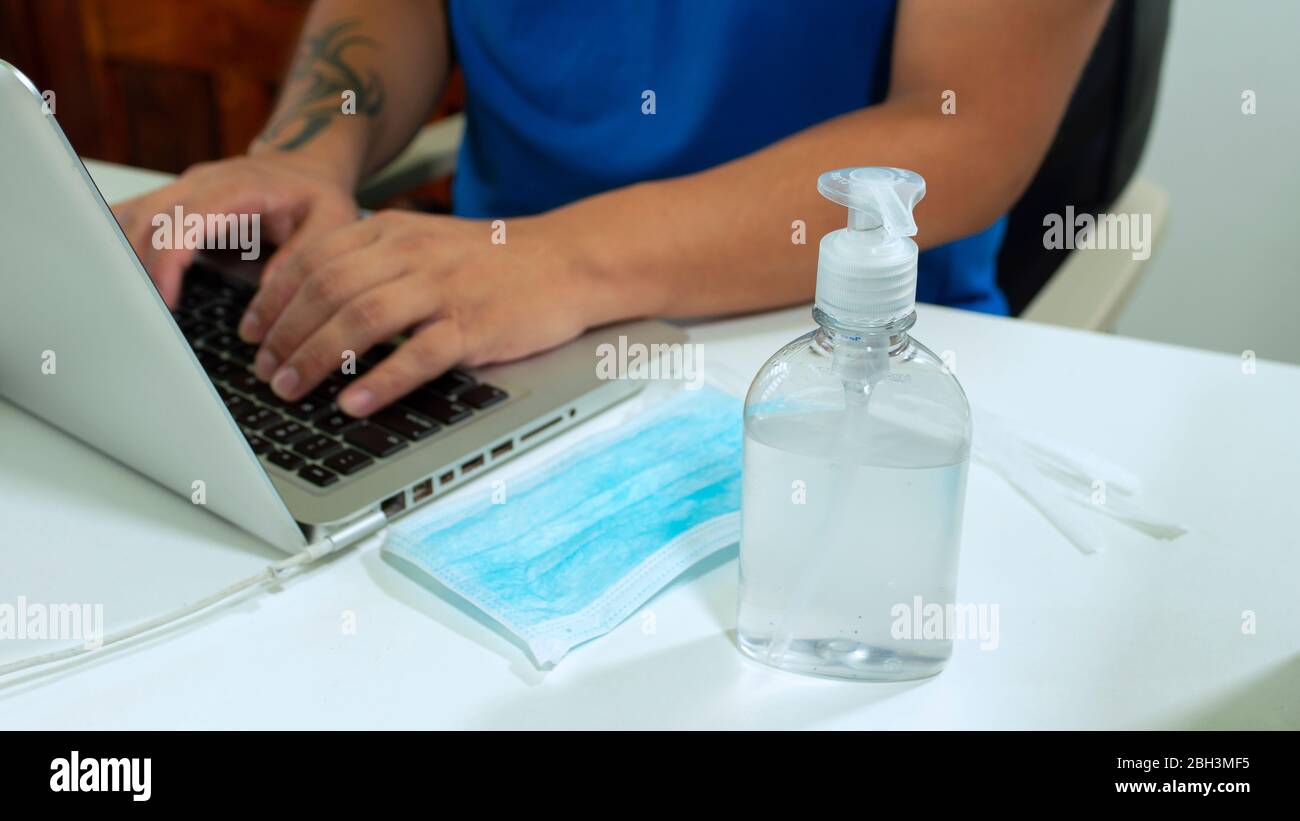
{"x": 556, "y": 94}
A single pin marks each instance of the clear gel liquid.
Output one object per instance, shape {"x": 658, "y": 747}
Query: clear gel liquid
{"x": 840, "y": 538}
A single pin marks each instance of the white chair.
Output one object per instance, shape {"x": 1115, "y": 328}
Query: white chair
{"x": 432, "y": 154}
{"x": 1092, "y": 286}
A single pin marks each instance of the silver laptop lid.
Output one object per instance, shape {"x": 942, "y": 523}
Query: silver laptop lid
{"x": 87, "y": 344}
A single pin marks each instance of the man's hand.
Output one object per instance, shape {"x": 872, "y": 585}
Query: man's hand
{"x": 463, "y": 298}
{"x": 297, "y": 205}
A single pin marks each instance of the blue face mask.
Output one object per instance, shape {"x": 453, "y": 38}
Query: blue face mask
{"x": 578, "y": 546}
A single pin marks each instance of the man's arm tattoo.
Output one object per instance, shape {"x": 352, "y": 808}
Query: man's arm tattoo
{"x": 321, "y": 64}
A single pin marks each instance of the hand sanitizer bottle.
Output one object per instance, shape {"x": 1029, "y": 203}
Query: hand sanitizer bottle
{"x": 857, "y": 440}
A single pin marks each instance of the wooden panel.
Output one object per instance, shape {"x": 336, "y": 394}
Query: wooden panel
{"x": 215, "y": 68}
{"x": 243, "y": 107}
{"x": 161, "y": 84}
{"x": 171, "y": 117}
{"x": 43, "y": 39}
{"x": 252, "y": 38}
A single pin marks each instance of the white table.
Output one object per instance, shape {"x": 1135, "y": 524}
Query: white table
{"x": 1145, "y": 634}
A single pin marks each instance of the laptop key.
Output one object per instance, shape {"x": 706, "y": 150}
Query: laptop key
{"x": 450, "y": 383}
{"x": 259, "y": 418}
{"x": 316, "y": 447}
{"x": 236, "y": 293}
{"x": 219, "y": 313}
{"x": 348, "y": 462}
{"x": 194, "y": 296}
{"x": 226, "y": 371}
{"x": 221, "y": 340}
{"x": 286, "y": 433}
{"x": 231, "y": 345}
{"x": 285, "y": 459}
{"x": 408, "y": 423}
{"x": 374, "y": 440}
{"x": 336, "y": 422}
{"x": 307, "y": 408}
{"x": 332, "y": 387}
{"x": 435, "y": 407}
{"x": 239, "y": 407}
{"x": 242, "y": 352}
{"x": 212, "y": 286}
{"x": 262, "y": 391}
{"x": 318, "y": 475}
{"x": 482, "y": 396}
{"x": 241, "y": 380}
{"x": 196, "y": 329}
{"x": 258, "y": 444}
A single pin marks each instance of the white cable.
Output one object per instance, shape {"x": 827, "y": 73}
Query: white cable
{"x": 345, "y": 537}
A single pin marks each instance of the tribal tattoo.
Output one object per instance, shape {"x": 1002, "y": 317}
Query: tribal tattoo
{"x": 329, "y": 77}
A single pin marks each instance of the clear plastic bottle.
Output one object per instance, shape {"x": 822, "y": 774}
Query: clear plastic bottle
{"x": 857, "y": 441}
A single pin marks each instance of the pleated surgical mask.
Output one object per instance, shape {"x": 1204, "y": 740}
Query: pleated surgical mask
{"x": 581, "y": 543}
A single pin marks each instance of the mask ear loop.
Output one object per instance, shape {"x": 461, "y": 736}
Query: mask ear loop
{"x": 344, "y": 538}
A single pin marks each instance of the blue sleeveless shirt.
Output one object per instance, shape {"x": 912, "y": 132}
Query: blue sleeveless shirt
{"x": 557, "y": 94}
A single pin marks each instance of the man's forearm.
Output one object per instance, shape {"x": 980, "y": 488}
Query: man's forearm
{"x": 364, "y": 78}
{"x": 743, "y": 236}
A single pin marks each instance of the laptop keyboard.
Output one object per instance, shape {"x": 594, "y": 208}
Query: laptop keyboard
{"x": 312, "y": 438}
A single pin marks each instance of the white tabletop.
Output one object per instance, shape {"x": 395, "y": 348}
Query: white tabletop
{"x": 1144, "y": 634}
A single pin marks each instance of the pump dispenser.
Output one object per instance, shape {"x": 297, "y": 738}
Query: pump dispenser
{"x": 857, "y": 441}
{"x": 866, "y": 272}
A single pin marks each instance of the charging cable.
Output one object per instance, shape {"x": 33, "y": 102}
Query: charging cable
{"x": 347, "y": 536}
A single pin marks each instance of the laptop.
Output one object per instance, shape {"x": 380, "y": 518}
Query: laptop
{"x": 88, "y": 345}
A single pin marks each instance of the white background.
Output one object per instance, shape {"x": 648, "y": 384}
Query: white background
{"x": 1227, "y": 276}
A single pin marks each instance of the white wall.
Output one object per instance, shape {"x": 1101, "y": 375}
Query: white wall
{"x": 1227, "y": 275}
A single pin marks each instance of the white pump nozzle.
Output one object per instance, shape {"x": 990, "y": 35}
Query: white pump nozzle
{"x": 875, "y": 197}
{"x": 866, "y": 273}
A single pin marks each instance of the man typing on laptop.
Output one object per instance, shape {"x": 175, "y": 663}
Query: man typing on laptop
{"x": 620, "y": 161}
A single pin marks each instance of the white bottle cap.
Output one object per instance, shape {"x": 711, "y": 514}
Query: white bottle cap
{"x": 866, "y": 273}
